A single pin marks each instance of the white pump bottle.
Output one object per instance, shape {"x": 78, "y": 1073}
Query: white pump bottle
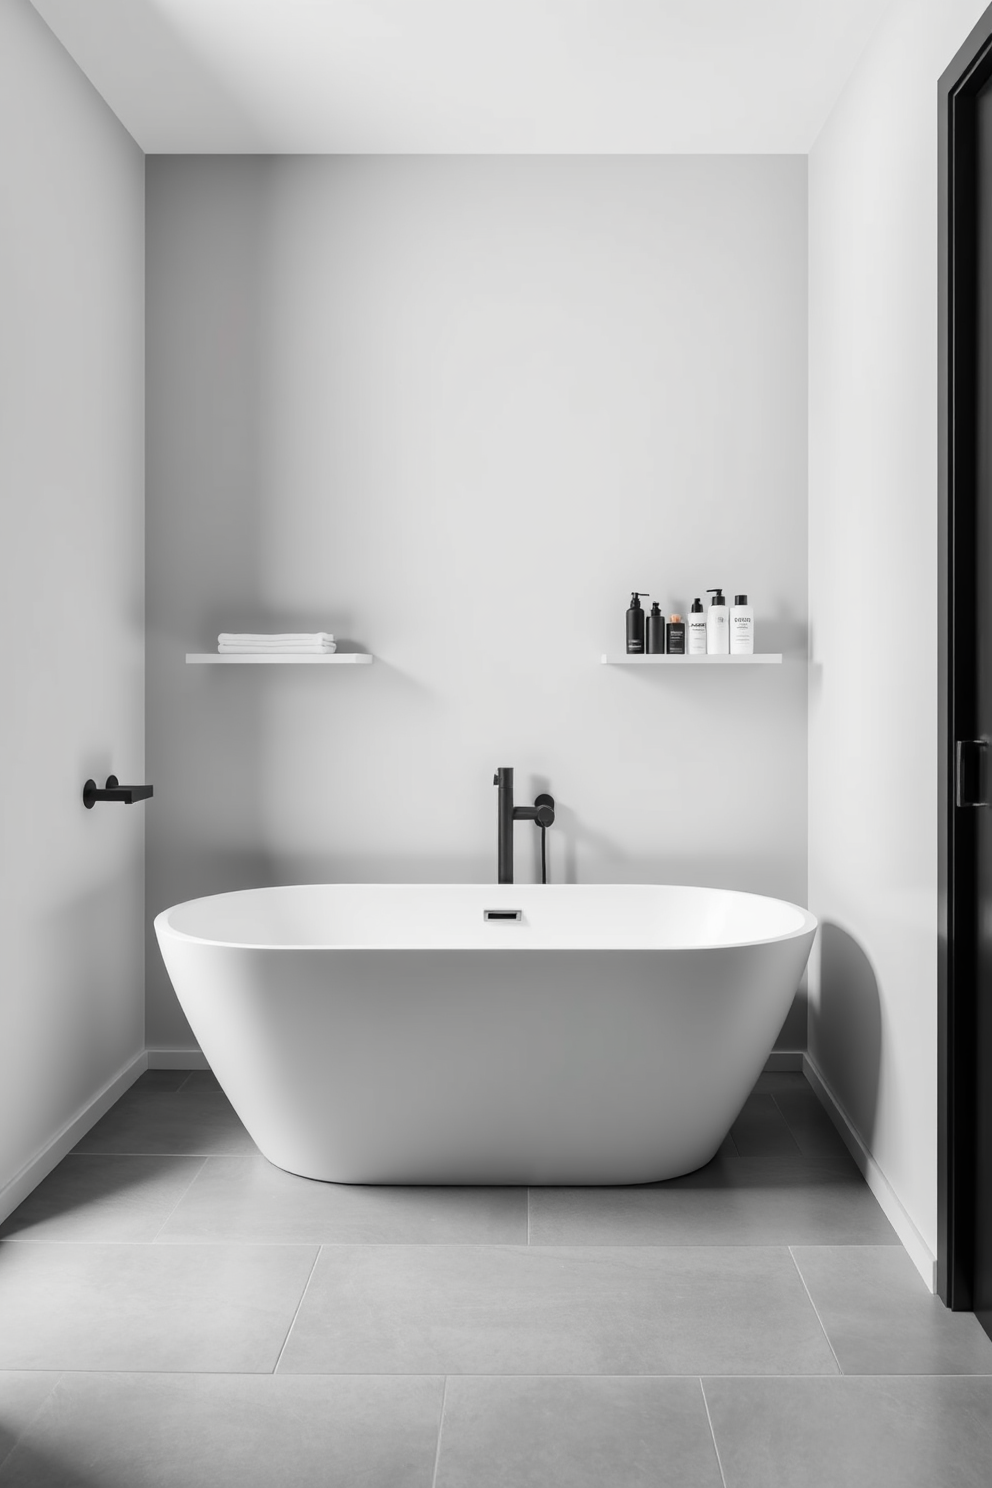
{"x": 717, "y": 628}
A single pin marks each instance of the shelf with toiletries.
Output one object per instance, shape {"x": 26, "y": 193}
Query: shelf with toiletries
{"x": 708, "y": 638}
{"x": 296, "y": 648}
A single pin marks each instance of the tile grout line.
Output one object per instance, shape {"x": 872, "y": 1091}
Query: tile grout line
{"x": 437, "y": 1245}
{"x": 296, "y": 1313}
{"x": 706, "y": 1407}
{"x": 440, "y": 1427}
{"x": 419, "y": 1374}
{"x": 175, "y": 1206}
{"x": 815, "y": 1310}
{"x": 137, "y": 1152}
{"x": 788, "y": 1123}
{"x": 809, "y": 1156}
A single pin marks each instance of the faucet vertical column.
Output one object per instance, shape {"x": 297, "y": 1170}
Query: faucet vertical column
{"x": 504, "y": 846}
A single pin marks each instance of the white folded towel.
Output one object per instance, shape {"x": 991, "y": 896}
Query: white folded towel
{"x": 256, "y": 650}
{"x": 234, "y": 638}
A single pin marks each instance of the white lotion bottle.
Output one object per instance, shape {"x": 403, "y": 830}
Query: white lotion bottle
{"x": 696, "y": 630}
{"x": 741, "y": 627}
{"x": 717, "y": 629}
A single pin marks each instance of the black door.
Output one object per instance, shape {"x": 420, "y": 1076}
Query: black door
{"x": 976, "y": 787}
{"x": 965, "y": 1053}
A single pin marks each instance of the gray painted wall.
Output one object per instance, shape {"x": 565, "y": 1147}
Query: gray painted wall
{"x": 454, "y": 410}
{"x": 71, "y": 588}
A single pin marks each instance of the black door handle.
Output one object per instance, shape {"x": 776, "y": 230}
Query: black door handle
{"x": 971, "y": 772}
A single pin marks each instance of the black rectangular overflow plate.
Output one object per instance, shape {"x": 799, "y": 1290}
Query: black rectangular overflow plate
{"x": 502, "y": 914}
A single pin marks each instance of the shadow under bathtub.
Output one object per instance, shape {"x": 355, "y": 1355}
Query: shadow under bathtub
{"x": 845, "y": 1026}
{"x": 21, "y": 1462}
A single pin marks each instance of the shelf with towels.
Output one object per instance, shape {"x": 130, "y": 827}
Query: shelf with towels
{"x": 278, "y": 658}
{"x": 757, "y": 658}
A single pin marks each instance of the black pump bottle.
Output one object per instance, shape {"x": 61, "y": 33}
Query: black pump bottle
{"x": 656, "y": 631}
{"x": 635, "y": 625}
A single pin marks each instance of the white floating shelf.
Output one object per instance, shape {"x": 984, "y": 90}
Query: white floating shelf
{"x": 762, "y": 658}
{"x": 277, "y": 658}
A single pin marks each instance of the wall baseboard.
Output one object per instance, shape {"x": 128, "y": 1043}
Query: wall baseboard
{"x": 39, "y": 1167}
{"x": 913, "y": 1242}
{"x": 165, "y": 1058}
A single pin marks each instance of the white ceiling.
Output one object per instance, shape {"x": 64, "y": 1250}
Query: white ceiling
{"x": 467, "y": 76}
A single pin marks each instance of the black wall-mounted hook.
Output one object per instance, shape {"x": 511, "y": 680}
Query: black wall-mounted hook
{"x": 114, "y": 791}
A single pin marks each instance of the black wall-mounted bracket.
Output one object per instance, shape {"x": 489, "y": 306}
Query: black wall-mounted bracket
{"x": 114, "y": 791}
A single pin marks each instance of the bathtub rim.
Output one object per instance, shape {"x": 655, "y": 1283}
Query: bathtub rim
{"x": 163, "y": 926}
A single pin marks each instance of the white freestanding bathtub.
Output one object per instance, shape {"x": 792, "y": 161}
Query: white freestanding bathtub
{"x": 391, "y": 1033}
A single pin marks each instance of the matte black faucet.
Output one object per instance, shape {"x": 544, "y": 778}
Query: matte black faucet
{"x": 542, "y": 812}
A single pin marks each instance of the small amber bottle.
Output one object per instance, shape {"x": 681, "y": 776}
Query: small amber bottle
{"x": 676, "y": 636}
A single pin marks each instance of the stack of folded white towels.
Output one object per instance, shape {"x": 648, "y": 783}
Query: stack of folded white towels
{"x": 318, "y": 644}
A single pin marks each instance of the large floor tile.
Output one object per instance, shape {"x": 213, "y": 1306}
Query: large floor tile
{"x": 453, "y": 1309}
{"x": 21, "y": 1397}
{"x": 162, "y": 1307}
{"x": 575, "y": 1433}
{"x": 732, "y": 1201}
{"x": 761, "y": 1130}
{"x": 246, "y": 1198}
{"x": 881, "y": 1319}
{"x": 853, "y": 1433}
{"x": 160, "y": 1121}
{"x": 224, "y": 1431}
{"x": 95, "y": 1197}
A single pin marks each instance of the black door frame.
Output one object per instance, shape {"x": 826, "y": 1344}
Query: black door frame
{"x": 967, "y": 74}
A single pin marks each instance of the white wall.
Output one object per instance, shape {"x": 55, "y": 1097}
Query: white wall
{"x": 71, "y": 588}
{"x": 454, "y": 410}
{"x": 873, "y": 596}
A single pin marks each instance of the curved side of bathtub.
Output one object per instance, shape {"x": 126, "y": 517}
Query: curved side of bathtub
{"x": 486, "y": 1067}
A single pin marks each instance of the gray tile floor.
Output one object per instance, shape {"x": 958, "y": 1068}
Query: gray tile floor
{"x": 175, "y": 1312}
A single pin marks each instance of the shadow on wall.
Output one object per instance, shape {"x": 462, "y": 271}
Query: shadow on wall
{"x": 98, "y": 934}
{"x": 846, "y": 1026}
{"x": 784, "y": 631}
{"x": 83, "y": 988}
{"x": 180, "y": 72}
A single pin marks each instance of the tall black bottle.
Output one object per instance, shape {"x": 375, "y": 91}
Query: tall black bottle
{"x": 635, "y": 625}
{"x": 656, "y": 631}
